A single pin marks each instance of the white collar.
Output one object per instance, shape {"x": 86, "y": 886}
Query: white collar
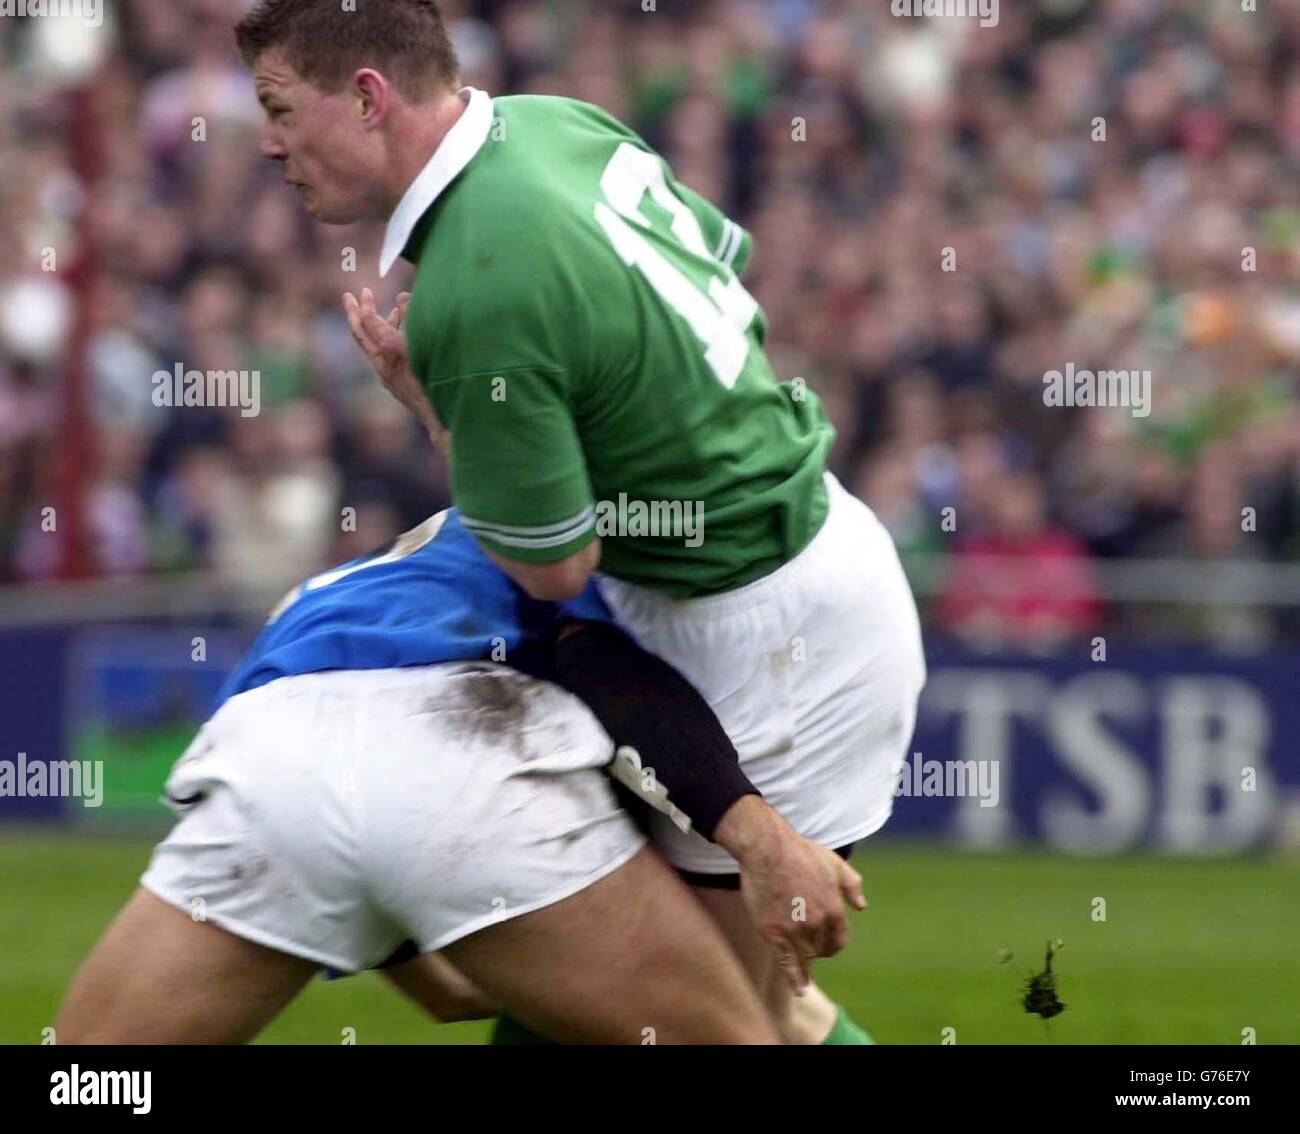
{"x": 449, "y": 160}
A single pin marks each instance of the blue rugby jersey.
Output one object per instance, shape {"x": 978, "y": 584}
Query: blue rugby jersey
{"x": 434, "y": 596}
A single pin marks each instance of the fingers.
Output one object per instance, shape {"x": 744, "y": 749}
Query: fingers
{"x": 835, "y": 935}
{"x": 821, "y": 927}
{"x": 828, "y": 932}
{"x": 362, "y": 323}
{"x": 368, "y": 327}
{"x": 835, "y": 930}
{"x": 378, "y": 337}
{"x": 369, "y": 316}
{"x": 794, "y": 966}
{"x": 352, "y": 310}
{"x": 851, "y": 886}
{"x": 378, "y": 330}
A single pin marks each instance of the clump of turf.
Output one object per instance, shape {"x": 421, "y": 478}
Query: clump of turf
{"x": 1040, "y": 989}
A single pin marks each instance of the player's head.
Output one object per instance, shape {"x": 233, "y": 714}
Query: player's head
{"x": 338, "y": 86}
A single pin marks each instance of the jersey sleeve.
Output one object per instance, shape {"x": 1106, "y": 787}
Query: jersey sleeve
{"x": 730, "y": 244}
{"x": 518, "y": 473}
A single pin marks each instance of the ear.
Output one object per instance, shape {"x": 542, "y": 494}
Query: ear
{"x": 373, "y": 95}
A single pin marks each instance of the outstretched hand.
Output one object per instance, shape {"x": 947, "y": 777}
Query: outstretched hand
{"x": 384, "y": 344}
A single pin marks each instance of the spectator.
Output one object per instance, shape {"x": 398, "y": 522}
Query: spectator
{"x": 943, "y": 214}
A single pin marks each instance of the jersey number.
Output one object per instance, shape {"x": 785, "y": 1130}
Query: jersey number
{"x": 404, "y": 545}
{"x": 721, "y": 318}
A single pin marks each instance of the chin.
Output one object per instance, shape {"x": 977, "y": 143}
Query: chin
{"x": 334, "y": 212}
{"x": 325, "y": 214}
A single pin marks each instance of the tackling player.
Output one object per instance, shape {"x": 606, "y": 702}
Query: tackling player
{"x": 578, "y": 326}
{"x": 371, "y": 777}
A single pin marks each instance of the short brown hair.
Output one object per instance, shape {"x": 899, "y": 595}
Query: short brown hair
{"x": 406, "y": 40}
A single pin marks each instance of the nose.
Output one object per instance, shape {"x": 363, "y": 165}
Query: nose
{"x": 272, "y": 147}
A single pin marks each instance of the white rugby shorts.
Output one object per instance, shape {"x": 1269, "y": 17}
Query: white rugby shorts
{"x": 334, "y": 816}
{"x": 814, "y": 672}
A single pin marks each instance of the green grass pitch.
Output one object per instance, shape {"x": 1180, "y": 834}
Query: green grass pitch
{"x": 1189, "y": 952}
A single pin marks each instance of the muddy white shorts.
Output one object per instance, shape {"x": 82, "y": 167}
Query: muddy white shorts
{"x": 814, "y": 671}
{"x": 336, "y": 815}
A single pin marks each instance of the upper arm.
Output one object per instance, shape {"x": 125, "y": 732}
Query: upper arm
{"x": 519, "y": 476}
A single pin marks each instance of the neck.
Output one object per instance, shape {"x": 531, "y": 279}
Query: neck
{"x": 420, "y": 130}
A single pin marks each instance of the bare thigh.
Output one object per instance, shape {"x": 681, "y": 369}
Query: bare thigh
{"x": 157, "y": 976}
{"x": 633, "y": 958}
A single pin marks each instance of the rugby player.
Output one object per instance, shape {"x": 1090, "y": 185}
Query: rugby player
{"x": 372, "y": 777}
{"x": 578, "y": 327}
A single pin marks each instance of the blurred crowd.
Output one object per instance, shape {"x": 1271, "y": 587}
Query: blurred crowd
{"x": 943, "y": 212}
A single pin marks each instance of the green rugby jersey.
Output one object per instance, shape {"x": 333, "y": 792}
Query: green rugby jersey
{"x": 579, "y": 326}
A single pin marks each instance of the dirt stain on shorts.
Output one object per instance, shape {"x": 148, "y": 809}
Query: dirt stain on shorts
{"x": 497, "y": 705}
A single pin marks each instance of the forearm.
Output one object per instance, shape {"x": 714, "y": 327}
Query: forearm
{"x": 752, "y": 831}
{"x": 644, "y": 703}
